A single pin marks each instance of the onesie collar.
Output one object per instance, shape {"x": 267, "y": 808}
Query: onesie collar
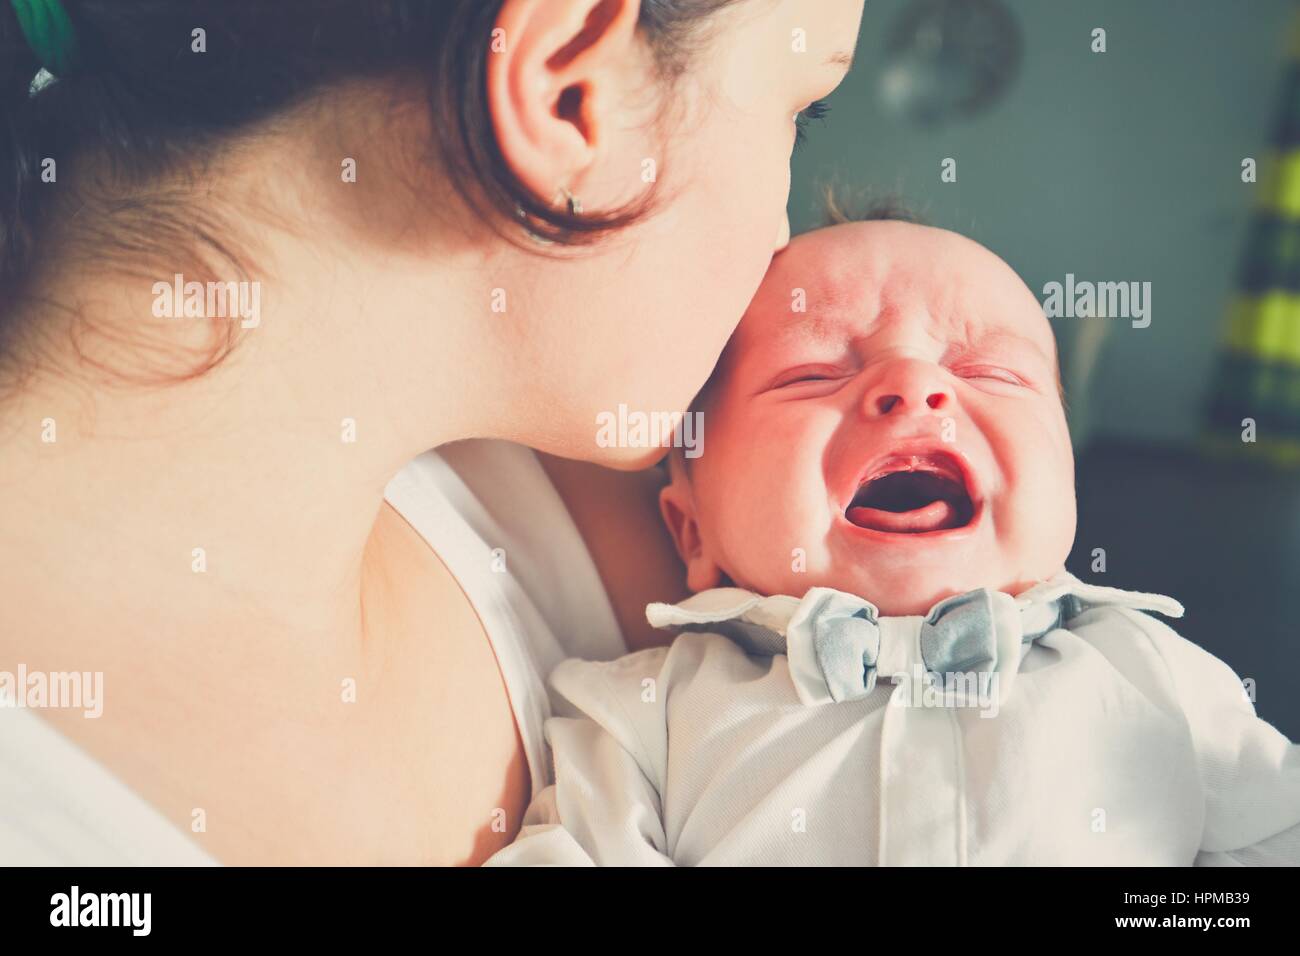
{"x": 759, "y": 623}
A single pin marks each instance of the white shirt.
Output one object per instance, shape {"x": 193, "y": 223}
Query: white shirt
{"x": 1119, "y": 743}
{"x": 493, "y": 517}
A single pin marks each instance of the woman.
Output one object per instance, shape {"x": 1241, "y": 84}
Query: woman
{"x": 422, "y": 223}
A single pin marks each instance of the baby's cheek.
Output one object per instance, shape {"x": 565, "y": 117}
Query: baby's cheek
{"x": 773, "y": 505}
{"x": 1042, "y": 516}
{"x": 774, "y": 545}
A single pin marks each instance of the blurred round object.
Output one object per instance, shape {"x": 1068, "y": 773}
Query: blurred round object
{"x": 946, "y": 59}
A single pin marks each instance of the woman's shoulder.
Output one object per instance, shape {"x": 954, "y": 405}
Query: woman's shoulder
{"x": 494, "y": 517}
{"x": 501, "y": 548}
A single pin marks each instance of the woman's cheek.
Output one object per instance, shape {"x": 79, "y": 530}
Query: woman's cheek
{"x": 760, "y": 188}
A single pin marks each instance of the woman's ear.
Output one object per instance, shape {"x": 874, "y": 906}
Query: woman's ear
{"x": 551, "y": 84}
{"x": 677, "y": 506}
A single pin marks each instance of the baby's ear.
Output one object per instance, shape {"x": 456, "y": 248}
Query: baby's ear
{"x": 677, "y": 505}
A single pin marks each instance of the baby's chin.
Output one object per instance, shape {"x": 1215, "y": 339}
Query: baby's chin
{"x": 905, "y": 574}
{"x": 915, "y": 596}
{"x": 897, "y": 591}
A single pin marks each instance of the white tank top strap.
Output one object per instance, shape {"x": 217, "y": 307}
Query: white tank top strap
{"x": 493, "y": 517}
{"x": 61, "y": 807}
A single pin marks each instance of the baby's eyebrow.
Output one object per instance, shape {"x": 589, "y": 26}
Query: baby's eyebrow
{"x": 995, "y": 337}
{"x": 842, "y": 58}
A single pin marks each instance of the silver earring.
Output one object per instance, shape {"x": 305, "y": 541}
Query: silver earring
{"x": 574, "y": 203}
{"x": 529, "y": 231}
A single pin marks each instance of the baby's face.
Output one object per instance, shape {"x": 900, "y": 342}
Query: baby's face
{"x": 902, "y": 439}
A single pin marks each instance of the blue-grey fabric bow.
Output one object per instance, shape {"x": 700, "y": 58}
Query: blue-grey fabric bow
{"x": 838, "y": 643}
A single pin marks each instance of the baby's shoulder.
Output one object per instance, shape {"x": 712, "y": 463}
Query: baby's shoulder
{"x": 1124, "y": 636}
{"x": 1149, "y": 652}
{"x": 1122, "y": 632}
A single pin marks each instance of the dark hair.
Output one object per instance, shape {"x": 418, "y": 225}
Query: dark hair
{"x": 140, "y": 100}
{"x": 837, "y": 210}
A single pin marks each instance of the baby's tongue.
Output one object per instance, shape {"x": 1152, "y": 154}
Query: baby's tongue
{"x": 936, "y": 516}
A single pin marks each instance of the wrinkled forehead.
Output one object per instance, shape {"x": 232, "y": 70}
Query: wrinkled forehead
{"x": 859, "y": 278}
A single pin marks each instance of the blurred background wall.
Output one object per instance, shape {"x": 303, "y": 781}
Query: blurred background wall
{"x": 1123, "y": 165}
{"x": 1115, "y": 166}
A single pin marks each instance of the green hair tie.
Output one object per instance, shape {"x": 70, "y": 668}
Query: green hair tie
{"x": 49, "y": 34}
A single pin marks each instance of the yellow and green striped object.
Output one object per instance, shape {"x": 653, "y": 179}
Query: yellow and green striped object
{"x": 1259, "y": 365}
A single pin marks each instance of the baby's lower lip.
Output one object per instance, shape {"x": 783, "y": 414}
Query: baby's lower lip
{"x": 938, "y": 515}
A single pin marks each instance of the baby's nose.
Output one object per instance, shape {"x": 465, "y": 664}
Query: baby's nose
{"x": 908, "y": 387}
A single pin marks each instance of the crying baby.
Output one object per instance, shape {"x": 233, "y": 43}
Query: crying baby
{"x": 884, "y": 660}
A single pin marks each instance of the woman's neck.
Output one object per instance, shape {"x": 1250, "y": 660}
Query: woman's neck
{"x": 247, "y": 493}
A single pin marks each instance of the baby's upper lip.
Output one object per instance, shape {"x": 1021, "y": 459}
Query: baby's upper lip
{"x": 915, "y": 454}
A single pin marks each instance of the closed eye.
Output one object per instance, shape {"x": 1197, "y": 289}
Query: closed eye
{"x": 816, "y": 110}
{"x": 992, "y": 373}
{"x": 806, "y": 375}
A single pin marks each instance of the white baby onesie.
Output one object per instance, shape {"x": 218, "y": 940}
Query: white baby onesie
{"x": 1106, "y": 739}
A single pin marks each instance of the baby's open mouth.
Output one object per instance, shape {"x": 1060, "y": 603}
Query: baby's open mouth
{"x": 913, "y": 494}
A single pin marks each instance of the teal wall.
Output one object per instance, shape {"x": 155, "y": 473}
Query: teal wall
{"x": 1119, "y": 166}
